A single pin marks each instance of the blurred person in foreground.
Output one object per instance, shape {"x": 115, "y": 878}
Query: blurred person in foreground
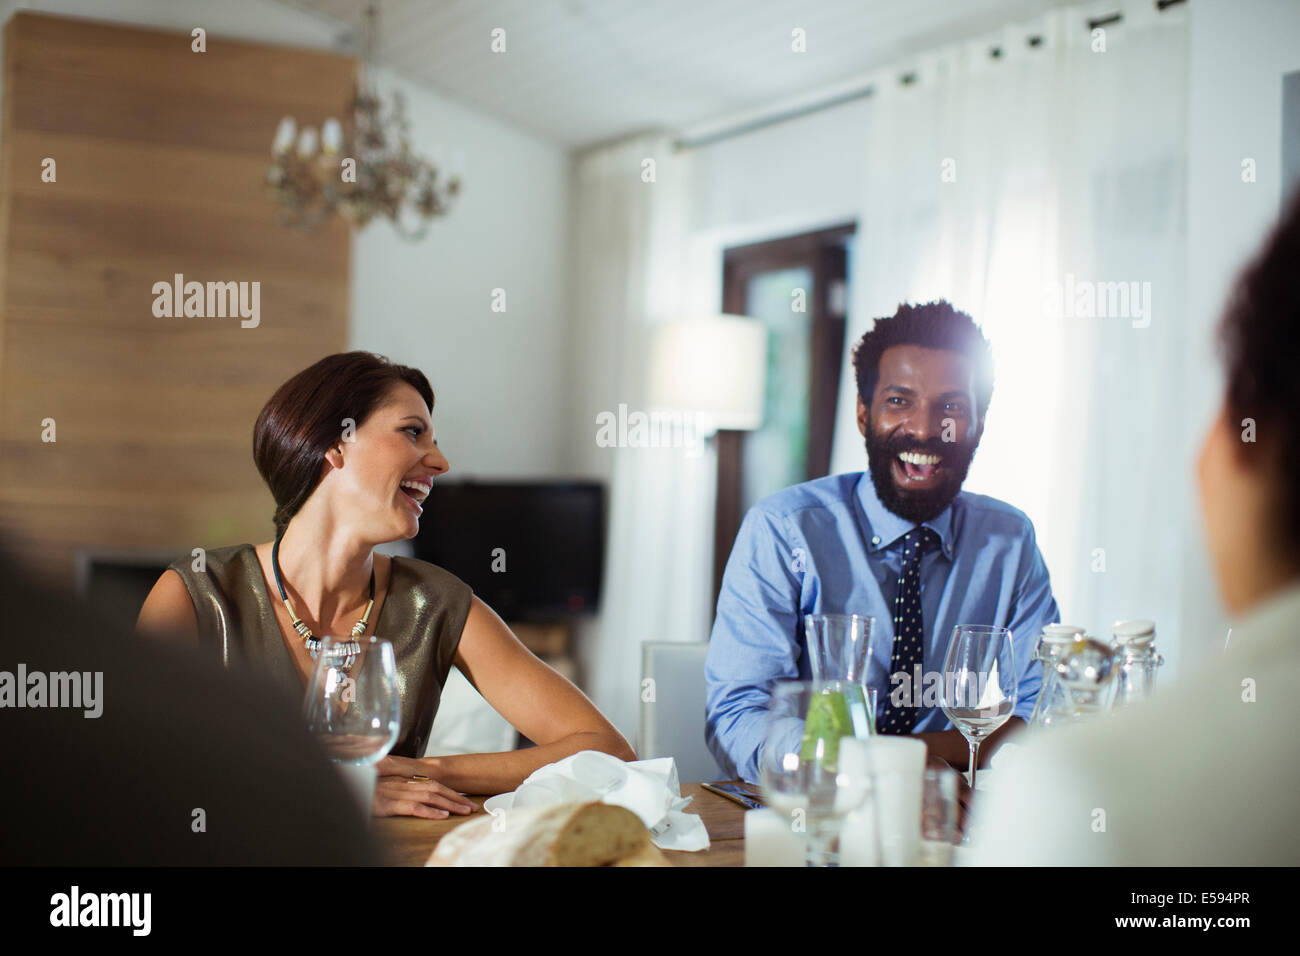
{"x": 1204, "y": 773}
{"x": 162, "y": 759}
{"x": 347, "y": 449}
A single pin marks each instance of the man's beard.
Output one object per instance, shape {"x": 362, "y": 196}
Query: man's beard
{"x": 914, "y": 504}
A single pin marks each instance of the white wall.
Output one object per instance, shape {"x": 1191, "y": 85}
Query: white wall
{"x": 498, "y": 377}
{"x": 782, "y": 178}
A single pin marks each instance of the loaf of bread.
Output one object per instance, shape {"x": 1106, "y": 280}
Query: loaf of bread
{"x": 564, "y": 834}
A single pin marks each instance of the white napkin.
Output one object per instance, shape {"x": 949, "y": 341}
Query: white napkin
{"x": 649, "y": 788}
{"x": 1007, "y": 755}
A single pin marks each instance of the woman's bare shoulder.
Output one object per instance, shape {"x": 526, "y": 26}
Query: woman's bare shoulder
{"x": 168, "y": 611}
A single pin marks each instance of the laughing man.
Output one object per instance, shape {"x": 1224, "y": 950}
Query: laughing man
{"x": 848, "y": 544}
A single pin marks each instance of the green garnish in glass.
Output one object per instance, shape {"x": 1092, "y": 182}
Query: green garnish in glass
{"x": 828, "y": 721}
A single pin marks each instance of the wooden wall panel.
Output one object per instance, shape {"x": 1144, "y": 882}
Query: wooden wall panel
{"x": 161, "y": 158}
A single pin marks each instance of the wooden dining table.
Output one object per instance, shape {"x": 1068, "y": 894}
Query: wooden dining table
{"x": 408, "y": 841}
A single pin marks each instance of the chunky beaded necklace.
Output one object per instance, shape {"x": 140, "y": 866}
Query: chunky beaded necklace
{"x": 351, "y": 648}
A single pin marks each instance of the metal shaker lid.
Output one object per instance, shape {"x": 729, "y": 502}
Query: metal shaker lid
{"x": 1134, "y": 634}
{"x": 1061, "y": 633}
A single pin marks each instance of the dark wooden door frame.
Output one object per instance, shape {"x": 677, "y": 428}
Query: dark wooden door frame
{"x": 825, "y": 254}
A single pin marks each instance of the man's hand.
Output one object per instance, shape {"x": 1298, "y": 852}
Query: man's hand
{"x": 396, "y": 794}
{"x": 953, "y": 747}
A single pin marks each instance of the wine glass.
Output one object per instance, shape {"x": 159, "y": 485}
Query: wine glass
{"x": 800, "y": 767}
{"x": 980, "y": 683}
{"x": 355, "y": 713}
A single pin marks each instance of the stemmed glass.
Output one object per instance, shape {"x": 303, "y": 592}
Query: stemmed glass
{"x": 354, "y": 713}
{"x": 979, "y": 683}
{"x": 801, "y": 769}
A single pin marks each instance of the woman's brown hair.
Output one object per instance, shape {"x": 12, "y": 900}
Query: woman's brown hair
{"x": 305, "y": 418}
{"x": 1257, "y": 336}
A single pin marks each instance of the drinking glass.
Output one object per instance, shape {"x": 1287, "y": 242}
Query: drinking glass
{"x": 354, "y": 713}
{"x": 839, "y": 648}
{"x": 979, "y": 683}
{"x": 801, "y": 772}
{"x": 939, "y": 811}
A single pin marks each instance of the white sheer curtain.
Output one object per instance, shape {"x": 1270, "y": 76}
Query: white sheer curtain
{"x": 634, "y": 267}
{"x": 994, "y": 182}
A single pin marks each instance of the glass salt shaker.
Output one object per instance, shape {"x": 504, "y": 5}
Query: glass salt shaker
{"x": 1052, "y": 645}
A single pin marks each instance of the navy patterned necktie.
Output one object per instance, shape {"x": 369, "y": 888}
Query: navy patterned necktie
{"x": 909, "y": 632}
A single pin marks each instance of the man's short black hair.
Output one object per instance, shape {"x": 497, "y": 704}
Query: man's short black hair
{"x": 934, "y": 325}
{"x": 1257, "y": 337}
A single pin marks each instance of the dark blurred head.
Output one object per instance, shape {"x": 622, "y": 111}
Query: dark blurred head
{"x": 1249, "y": 469}
{"x": 925, "y": 380}
{"x": 174, "y": 739}
{"x": 304, "y": 421}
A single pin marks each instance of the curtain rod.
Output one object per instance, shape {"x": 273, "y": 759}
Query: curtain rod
{"x": 904, "y": 79}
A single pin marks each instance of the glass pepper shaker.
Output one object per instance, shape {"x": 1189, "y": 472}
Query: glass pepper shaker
{"x": 1085, "y": 671}
{"x": 1136, "y": 660}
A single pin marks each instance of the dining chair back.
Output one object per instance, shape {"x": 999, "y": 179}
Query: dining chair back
{"x": 672, "y": 708}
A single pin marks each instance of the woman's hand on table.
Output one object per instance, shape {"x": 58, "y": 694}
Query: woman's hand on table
{"x": 397, "y": 795}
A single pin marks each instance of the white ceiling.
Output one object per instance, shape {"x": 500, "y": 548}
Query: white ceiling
{"x": 577, "y": 72}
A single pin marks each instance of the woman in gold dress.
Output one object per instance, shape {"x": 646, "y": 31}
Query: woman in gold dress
{"x": 347, "y": 449}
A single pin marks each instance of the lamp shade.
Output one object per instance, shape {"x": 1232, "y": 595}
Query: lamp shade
{"x": 714, "y": 367}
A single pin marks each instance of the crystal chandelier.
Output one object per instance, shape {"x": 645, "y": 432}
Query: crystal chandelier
{"x": 362, "y": 172}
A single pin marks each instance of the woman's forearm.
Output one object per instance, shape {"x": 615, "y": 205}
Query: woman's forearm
{"x": 480, "y": 774}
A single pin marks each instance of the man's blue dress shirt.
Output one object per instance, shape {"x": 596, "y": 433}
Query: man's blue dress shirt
{"x": 829, "y": 546}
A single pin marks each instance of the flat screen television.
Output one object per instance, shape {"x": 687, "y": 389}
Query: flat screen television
{"x": 531, "y": 550}
{"x": 117, "y": 582}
